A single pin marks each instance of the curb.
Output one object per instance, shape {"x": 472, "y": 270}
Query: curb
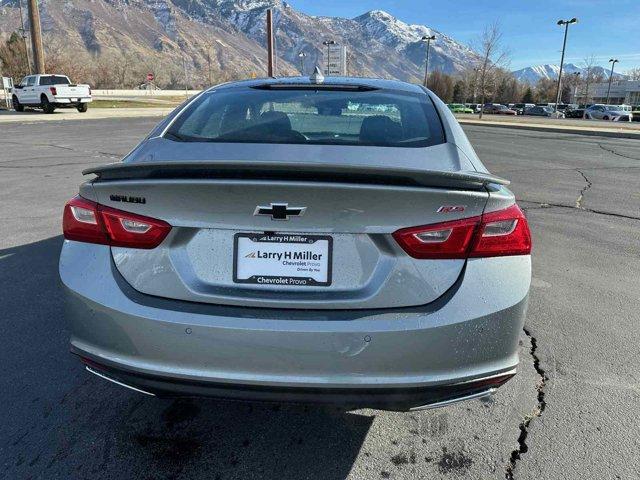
{"x": 554, "y": 129}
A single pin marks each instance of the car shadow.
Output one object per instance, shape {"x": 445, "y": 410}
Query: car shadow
{"x": 61, "y": 422}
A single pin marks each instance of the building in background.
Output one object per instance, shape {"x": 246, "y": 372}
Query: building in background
{"x": 622, "y": 92}
{"x": 337, "y": 61}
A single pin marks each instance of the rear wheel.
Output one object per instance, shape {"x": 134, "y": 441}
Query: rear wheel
{"x": 47, "y": 106}
{"x": 82, "y": 107}
{"x": 16, "y": 104}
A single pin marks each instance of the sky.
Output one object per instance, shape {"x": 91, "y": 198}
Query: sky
{"x": 605, "y": 28}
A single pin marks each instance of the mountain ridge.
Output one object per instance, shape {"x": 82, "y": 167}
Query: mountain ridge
{"x": 228, "y": 37}
{"x": 534, "y": 73}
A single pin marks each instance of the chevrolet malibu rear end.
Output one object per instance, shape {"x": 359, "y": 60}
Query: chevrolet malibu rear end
{"x": 293, "y": 240}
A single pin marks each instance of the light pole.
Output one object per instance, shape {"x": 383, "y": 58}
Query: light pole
{"x": 566, "y": 24}
{"x": 612, "y": 61}
{"x": 427, "y": 38}
{"x": 328, "y": 44}
{"x": 475, "y": 81}
{"x": 575, "y": 86}
{"x": 301, "y": 56}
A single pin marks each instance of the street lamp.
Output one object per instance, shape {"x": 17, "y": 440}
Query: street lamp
{"x": 566, "y": 24}
{"x": 328, "y": 44}
{"x": 427, "y": 39}
{"x": 475, "y": 81}
{"x": 576, "y": 82}
{"x": 301, "y": 56}
{"x": 612, "y": 61}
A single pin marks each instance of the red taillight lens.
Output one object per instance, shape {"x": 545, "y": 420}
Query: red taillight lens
{"x": 442, "y": 240}
{"x": 505, "y": 232}
{"x": 494, "y": 234}
{"x": 86, "y": 221}
{"x": 53, "y": 90}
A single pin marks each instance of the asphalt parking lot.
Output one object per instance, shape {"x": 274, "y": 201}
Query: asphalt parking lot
{"x": 572, "y": 412}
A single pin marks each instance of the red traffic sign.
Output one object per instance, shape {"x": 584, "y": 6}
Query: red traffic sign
{"x": 150, "y": 77}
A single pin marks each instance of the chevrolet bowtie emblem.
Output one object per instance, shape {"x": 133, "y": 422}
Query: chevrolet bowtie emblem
{"x": 280, "y": 211}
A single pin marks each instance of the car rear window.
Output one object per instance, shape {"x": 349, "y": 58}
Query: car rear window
{"x": 54, "y": 80}
{"x": 322, "y": 116}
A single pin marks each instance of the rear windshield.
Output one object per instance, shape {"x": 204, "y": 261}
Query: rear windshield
{"x": 310, "y": 116}
{"x": 54, "y": 80}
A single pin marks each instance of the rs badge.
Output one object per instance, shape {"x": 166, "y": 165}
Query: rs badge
{"x": 451, "y": 209}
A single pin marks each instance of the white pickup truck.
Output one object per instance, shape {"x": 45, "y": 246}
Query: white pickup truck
{"x": 49, "y": 92}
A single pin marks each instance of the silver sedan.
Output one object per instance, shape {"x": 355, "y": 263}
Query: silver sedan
{"x": 300, "y": 240}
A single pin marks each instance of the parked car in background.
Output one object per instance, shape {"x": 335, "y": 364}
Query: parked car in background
{"x": 49, "y": 92}
{"x": 543, "y": 112}
{"x": 616, "y": 113}
{"x": 459, "y": 108}
{"x": 521, "y": 107}
{"x": 575, "y": 111}
{"x": 476, "y": 107}
{"x": 495, "y": 108}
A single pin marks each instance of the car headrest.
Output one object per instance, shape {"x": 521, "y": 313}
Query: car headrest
{"x": 380, "y": 129}
{"x": 275, "y": 121}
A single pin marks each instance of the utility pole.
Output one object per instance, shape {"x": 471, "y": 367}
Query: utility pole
{"x": 186, "y": 78}
{"x": 566, "y": 24}
{"x": 426, "y": 67}
{"x": 613, "y": 61}
{"x": 24, "y": 37}
{"x": 36, "y": 36}
{"x": 270, "y": 45}
{"x": 209, "y": 65}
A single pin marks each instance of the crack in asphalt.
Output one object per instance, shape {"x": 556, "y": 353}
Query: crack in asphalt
{"x": 583, "y": 191}
{"x": 612, "y": 151}
{"x": 543, "y": 205}
{"x": 523, "y": 448}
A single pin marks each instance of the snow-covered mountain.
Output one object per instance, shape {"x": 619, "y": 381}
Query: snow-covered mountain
{"x": 229, "y": 36}
{"x": 378, "y": 43}
{"x": 533, "y": 74}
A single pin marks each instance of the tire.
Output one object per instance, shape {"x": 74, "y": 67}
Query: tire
{"x": 47, "y": 107}
{"x": 16, "y": 104}
{"x": 605, "y": 117}
{"x": 82, "y": 107}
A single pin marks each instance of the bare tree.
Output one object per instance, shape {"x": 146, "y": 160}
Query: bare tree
{"x": 588, "y": 67}
{"x": 492, "y": 56}
{"x": 634, "y": 74}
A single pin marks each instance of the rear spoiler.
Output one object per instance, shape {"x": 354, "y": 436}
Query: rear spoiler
{"x": 295, "y": 171}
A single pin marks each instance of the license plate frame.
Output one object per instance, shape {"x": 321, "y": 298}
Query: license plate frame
{"x": 279, "y": 239}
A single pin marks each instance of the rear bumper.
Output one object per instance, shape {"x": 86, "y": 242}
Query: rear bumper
{"x": 397, "y": 399}
{"x": 71, "y": 101}
{"x": 397, "y": 359}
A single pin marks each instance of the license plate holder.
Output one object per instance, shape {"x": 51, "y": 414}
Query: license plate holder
{"x": 282, "y": 259}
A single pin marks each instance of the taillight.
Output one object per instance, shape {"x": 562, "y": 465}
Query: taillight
{"x": 494, "y": 234}
{"x": 441, "y": 240}
{"x": 87, "y": 221}
{"x": 53, "y": 90}
{"x": 505, "y": 232}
